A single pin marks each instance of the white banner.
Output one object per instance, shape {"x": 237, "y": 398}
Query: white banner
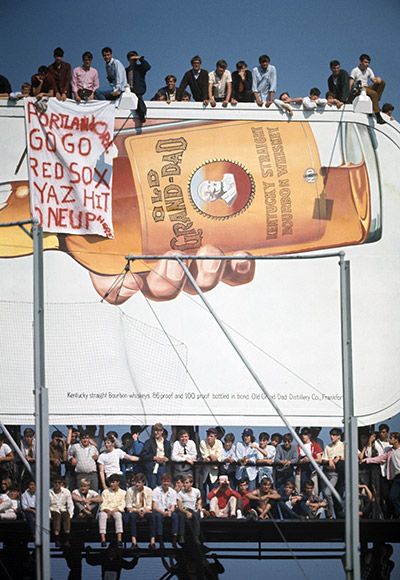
{"x": 70, "y": 167}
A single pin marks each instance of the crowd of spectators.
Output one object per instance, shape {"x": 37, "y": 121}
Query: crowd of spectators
{"x": 182, "y": 480}
{"x": 258, "y": 85}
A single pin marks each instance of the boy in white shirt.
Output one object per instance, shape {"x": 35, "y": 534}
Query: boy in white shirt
{"x": 284, "y": 103}
{"x": 266, "y": 456}
{"x": 189, "y": 508}
{"x": 164, "y": 508}
{"x": 86, "y": 500}
{"x": 313, "y": 100}
{"x": 12, "y": 506}
{"x": 109, "y": 461}
{"x": 61, "y": 510}
{"x": 220, "y": 84}
{"x": 363, "y": 73}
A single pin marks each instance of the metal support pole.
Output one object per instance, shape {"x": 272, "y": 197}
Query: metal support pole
{"x": 256, "y": 377}
{"x": 42, "y": 538}
{"x": 16, "y": 448}
{"x": 352, "y": 561}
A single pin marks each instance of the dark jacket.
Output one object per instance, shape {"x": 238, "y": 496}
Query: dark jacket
{"x": 138, "y": 86}
{"x": 150, "y": 450}
{"x": 198, "y": 87}
{"x": 342, "y": 88}
{"x": 246, "y": 95}
{"x": 5, "y": 86}
{"x": 164, "y": 91}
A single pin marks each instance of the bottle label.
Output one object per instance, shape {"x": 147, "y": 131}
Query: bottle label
{"x": 256, "y": 186}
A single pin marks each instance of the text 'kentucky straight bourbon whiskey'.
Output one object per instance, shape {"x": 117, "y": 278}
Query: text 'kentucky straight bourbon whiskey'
{"x": 265, "y": 187}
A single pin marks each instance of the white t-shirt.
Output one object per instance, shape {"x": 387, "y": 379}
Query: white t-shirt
{"x": 219, "y": 84}
{"x": 90, "y": 494}
{"x": 189, "y": 500}
{"x": 111, "y": 461}
{"x": 362, "y": 75}
{"x": 308, "y": 447}
{"x": 5, "y": 450}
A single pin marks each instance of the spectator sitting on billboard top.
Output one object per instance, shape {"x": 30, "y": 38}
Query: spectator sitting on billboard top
{"x": 135, "y": 75}
{"x": 85, "y": 79}
{"x": 362, "y": 74}
{"x": 284, "y": 102}
{"x": 197, "y": 79}
{"x": 388, "y": 109}
{"x": 339, "y": 82}
{"x": 42, "y": 83}
{"x": 169, "y": 91}
{"x": 264, "y": 81}
{"x": 314, "y": 100}
{"x": 332, "y": 100}
{"x": 116, "y": 77}
{"x": 61, "y": 73}
{"x": 5, "y": 87}
{"x": 242, "y": 82}
{"x": 220, "y": 84}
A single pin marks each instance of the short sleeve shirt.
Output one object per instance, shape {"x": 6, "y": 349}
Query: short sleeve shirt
{"x": 362, "y": 75}
{"x": 189, "y": 500}
{"x": 84, "y": 457}
{"x": 5, "y": 450}
{"x": 331, "y": 451}
{"x": 219, "y": 84}
{"x": 111, "y": 461}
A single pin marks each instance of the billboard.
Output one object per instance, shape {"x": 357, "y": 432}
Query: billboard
{"x": 223, "y": 182}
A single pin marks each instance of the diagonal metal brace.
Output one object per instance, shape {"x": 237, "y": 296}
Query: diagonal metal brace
{"x": 256, "y": 377}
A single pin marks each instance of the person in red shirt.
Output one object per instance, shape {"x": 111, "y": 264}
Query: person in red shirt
{"x": 61, "y": 73}
{"x": 243, "y": 506}
{"x": 42, "y": 83}
{"x": 223, "y": 499}
{"x": 304, "y": 468}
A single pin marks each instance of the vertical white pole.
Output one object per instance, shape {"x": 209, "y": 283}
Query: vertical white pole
{"x": 352, "y": 530}
{"x": 41, "y": 414}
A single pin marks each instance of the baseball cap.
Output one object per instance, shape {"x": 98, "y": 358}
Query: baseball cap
{"x": 212, "y": 430}
{"x": 247, "y": 431}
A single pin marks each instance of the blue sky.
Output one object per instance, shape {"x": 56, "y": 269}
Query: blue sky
{"x": 301, "y": 37}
